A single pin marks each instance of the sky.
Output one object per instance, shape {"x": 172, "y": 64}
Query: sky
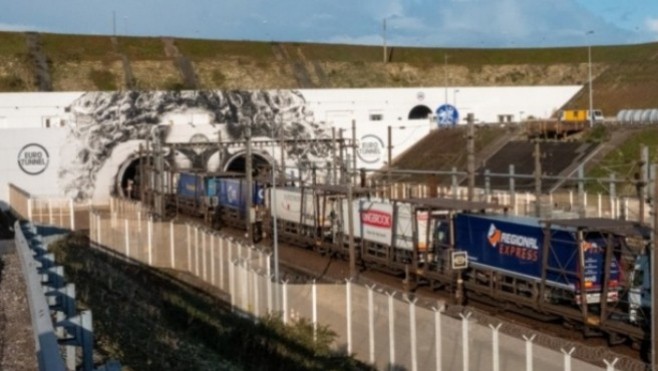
{"x": 424, "y": 23}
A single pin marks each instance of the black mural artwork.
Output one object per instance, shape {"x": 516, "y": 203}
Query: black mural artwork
{"x": 102, "y": 120}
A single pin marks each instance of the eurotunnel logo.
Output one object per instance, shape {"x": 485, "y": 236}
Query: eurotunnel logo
{"x": 376, "y": 218}
{"x": 371, "y": 149}
{"x": 33, "y": 159}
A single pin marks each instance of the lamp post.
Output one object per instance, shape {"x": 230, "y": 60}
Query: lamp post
{"x": 384, "y": 37}
{"x": 275, "y": 233}
{"x": 589, "y": 78}
{"x": 445, "y": 76}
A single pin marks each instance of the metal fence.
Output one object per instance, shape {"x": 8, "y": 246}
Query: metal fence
{"x": 381, "y": 327}
{"x": 558, "y": 204}
{"x": 55, "y": 211}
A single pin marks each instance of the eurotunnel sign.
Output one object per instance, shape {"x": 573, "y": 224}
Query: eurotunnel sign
{"x": 33, "y": 159}
{"x": 371, "y": 149}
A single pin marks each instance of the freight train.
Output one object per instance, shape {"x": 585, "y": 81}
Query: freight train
{"x": 593, "y": 274}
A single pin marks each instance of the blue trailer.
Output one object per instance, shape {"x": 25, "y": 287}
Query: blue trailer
{"x": 196, "y": 194}
{"x": 517, "y": 247}
{"x": 232, "y": 202}
{"x": 232, "y": 193}
{"x": 196, "y": 185}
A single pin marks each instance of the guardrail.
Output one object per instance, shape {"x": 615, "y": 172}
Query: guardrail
{"x": 50, "y": 296}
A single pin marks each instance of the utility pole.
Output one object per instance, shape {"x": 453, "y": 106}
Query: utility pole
{"x": 384, "y": 36}
{"x": 589, "y": 68}
{"x": 537, "y": 156}
{"x": 390, "y": 162}
{"x": 445, "y": 77}
{"x": 354, "y": 150}
{"x": 470, "y": 150}
{"x": 250, "y": 185}
{"x": 654, "y": 278}
{"x": 642, "y": 180}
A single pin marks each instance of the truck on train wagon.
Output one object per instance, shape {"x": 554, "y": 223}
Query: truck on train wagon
{"x": 521, "y": 250}
{"x": 232, "y": 196}
{"x": 592, "y": 273}
{"x": 196, "y": 194}
{"x": 580, "y": 115}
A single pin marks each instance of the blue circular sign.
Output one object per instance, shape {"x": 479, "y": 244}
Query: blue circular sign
{"x": 447, "y": 114}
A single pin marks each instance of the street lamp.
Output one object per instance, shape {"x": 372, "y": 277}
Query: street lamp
{"x": 384, "y": 37}
{"x": 445, "y": 76}
{"x": 589, "y": 69}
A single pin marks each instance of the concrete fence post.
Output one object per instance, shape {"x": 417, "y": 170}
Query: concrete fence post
{"x": 371, "y": 322}
{"x": 567, "y": 358}
{"x": 139, "y": 221}
{"x": 285, "y": 302}
{"x": 204, "y": 237}
{"x": 268, "y": 284}
{"x": 231, "y": 283}
{"x": 127, "y": 237}
{"x": 599, "y": 206}
{"x": 412, "y": 334}
{"x": 314, "y": 305}
{"x": 348, "y": 314}
{"x": 172, "y": 245}
{"x": 189, "y": 248}
{"x": 196, "y": 251}
{"x": 495, "y": 346}
{"x": 222, "y": 244}
{"x": 465, "y": 340}
{"x": 391, "y": 329}
{"x": 149, "y": 235}
{"x": 30, "y": 204}
{"x": 244, "y": 284}
{"x": 570, "y": 200}
{"x": 610, "y": 366}
{"x": 212, "y": 260}
{"x": 438, "y": 337}
{"x": 254, "y": 275}
{"x": 72, "y": 213}
{"x": 98, "y": 229}
{"x": 528, "y": 352}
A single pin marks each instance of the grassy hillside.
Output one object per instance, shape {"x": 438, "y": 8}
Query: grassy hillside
{"x": 625, "y": 76}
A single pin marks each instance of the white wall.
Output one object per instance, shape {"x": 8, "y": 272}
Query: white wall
{"x": 22, "y": 117}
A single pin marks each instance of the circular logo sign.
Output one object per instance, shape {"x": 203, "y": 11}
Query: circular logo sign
{"x": 371, "y": 149}
{"x": 201, "y": 139}
{"x": 33, "y": 159}
{"x": 447, "y": 114}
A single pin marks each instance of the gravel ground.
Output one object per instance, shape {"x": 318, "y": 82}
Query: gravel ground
{"x": 17, "y": 351}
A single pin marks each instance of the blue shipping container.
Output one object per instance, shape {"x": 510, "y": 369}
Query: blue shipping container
{"x": 515, "y": 245}
{"x": 190, "y": 185}
{"x": 195, "y": 186}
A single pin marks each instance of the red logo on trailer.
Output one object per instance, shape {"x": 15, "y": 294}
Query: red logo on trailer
{"x": 376, "y": 218}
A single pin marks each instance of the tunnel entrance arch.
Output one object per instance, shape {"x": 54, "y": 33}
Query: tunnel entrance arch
{"x": 128, "y": 179}
{"x": 420, "y": 112}
{"x": 261, "y": 164}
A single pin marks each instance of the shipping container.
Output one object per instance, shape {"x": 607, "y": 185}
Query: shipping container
{"x": 288, "y": 204}
{"x": 376, "y": 220}
{"x": 515, "y": 246}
